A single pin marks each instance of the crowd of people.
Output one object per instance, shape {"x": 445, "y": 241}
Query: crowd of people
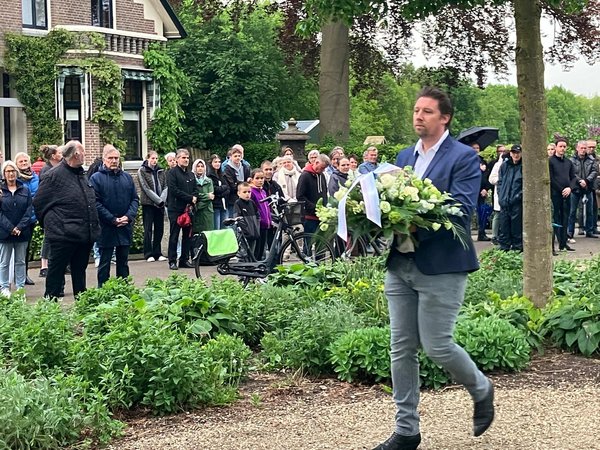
{"x": 103, "y": 202}
{"x": 574, "y": 193}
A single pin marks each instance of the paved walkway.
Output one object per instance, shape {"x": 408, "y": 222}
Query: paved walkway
{"x": 142, "y": 270}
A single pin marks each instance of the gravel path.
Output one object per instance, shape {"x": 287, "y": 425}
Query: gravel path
{"x": 554, "y": 405}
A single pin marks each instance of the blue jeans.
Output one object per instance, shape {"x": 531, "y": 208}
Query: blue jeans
{"x": 588, "y": 226}
{"x": 423, "y": 311}
{"x": 122, "y": 255}
{"x": 6, "y": 252}
{"x": 219, "y": 216}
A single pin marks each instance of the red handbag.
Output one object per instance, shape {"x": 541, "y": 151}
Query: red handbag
{"x": 184, "y": 220}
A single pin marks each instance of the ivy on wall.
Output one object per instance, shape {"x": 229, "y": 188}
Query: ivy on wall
{"x": 32, "y": 63}
{"x": 167, "y": 120}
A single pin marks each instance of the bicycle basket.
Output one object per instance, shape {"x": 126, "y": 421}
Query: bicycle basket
{"x": 293, "y": 213}
{"x": 220, "y": 244}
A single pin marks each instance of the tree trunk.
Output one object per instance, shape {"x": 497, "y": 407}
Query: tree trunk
{"x": 537, "y": 259}
{"x": 334, "y": 84}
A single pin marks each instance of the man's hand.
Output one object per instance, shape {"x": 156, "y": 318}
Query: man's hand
{"x": 194, "y": 199}
{"x": 483, "y": 193}
{"x": 15, "y": 232}
{"x": 211, "y": 196}
{"x": 122, "y": 221}
{"x": 566, "y": 192}
{"x": 483, "y": 167}
{"x": 582, "y": 183}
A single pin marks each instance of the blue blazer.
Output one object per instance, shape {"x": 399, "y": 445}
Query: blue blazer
{"x": 454, "y": 169}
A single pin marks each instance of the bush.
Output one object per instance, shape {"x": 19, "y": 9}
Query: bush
{"x": 362, "y": 355}
{"x": 51, "y": 413}
{"x": 112, "y": 289}
{"x": 493, "y": 343}
{"x": 366, "y": 297}
{"x": 574, "y": 324}
{"x": 303, "y": 345}
{"x": 232, "y": 354}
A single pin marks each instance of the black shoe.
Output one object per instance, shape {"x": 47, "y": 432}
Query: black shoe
{"x": 591, "y": 235}
{"x": 595, "y": 232}
{"x": 173, "y": 266}
{"x": 185, "y": 265}
{"x": 569, "y": 249}
{"x": 29, "y": 281}
{"x": 495, "y": 241}
{"x": 399, "y": 442}
{"x": 483, "y": 413}
{"x": 483, "y": 238}
{"x": 43, "y": 273}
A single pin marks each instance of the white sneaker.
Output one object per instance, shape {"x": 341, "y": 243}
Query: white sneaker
{"x": 5, "y": 292}
{"x": 162, "y": 258}
{"x": 151, "y": 259}
{"x": 96, "y": 262}
{"x": 571, "y": 241}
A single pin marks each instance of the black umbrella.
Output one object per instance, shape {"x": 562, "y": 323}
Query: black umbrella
{"x": 484, "y": 136}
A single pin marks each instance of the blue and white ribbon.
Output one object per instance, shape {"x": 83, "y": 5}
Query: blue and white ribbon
{"x": 370, "y": 198}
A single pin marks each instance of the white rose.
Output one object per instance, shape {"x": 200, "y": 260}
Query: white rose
{"x": 435, "y": 226}
{"x": 448, "y": 225}
{"x": 385, "y": 207}
{"x": 412, "y": 192}
{"x": 387, "y": 180}
{"x": 426, "y": 205}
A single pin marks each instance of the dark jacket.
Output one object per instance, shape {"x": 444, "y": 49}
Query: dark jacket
{"x": 251, "y": 224}
{"x": 230, "y": 175}
{"x": 312, "y": 186}
{"x": 562, "y": 174}
{"x": 221, "y": 188}
{"x": 45, "y": 170}
{"x": 15, "y": 211}
{"x": 585, "y": 169}
{"x": 336, "y": 180}
{"x": 115, "y": 197}
{"x": 65, "y": 205}
{"x": 153, "y": 185}
{"x": 454, "y": 169}
{"x": 182, "y": 187}
{"x": 510, "y": 184}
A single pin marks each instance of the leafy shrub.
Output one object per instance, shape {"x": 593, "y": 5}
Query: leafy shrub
{"x": 267, "y": 308}
{"x": 136, "y": 359}
{"x": 51, "y": 413}
{"x": 362, "y": 355}
{"x": 304, "y": 343}
{"x": 40, "y": 338}
{"x": 112, "y": 289}
{"x": 500, "y": 272}
{"x": 493, "y": 343}
{"x": 232, "y": 354}
{"x": 304, "y": 275}
{"x": 574, "y": 324}
{"x": 366, "y": 297}
{"x": 432, "y": 375}
{"x": 368, "y": 268}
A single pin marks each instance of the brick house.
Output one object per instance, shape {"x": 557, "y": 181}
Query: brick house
{"x": 128, "y": 27}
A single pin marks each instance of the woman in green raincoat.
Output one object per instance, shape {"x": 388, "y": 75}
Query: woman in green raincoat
{"x": 203, "y": 214}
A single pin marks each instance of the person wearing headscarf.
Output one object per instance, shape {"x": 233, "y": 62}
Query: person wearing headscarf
{"x": 203, "y": 214}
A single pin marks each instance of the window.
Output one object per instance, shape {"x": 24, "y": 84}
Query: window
{"x": 34, "y": 14}
{"x": 102, "y": 13}
{"x": 72, "y": 106}
{"x": 132, "y": 107}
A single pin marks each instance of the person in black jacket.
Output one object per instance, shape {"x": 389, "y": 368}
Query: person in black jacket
{"x": 221, "y": 191}
{"x": 117, "y": 203}
{"x": 181, "y": 183}
{"x": 235, "y": 172}
{"x": 586, "y": 171}
{"x": 65, "y": 204}
{"x": 562, "y": 182}
{"x": 250, "y": 225}
{"x": 484, "y": 211}
{"x": 510, "y": 197}
{"x": 312, "y": 186}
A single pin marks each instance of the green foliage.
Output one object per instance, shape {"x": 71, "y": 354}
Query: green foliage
{"x": 500, "y": 272}
{"x": 493, "y": 343}
{"x": 232, "y": 354}
{"x": 255, "y": 153}
{"x": 137, "y": 243}
{"x": 112, "y": 289}
{"x": 304, "y": 275}
{"x": 241, "y": 88}
{"x": 366, "y": 297}
{"x": 362, "y": 355}
{"x": 35, "y": 247}
{"x": 304, "y": 343}
{"x": 167, "y": 120}
{"x": 37, "y": 337}
{"x": 31, "y": 61}
{"x": 573, "y": 323}
{"x": 51, "y": 413}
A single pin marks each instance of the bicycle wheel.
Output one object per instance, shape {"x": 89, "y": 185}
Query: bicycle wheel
{"x": 306, "y": 248}
{"x": 354, "y": 248}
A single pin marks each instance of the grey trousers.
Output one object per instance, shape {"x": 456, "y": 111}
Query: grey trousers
{"x": 423, "y": 311}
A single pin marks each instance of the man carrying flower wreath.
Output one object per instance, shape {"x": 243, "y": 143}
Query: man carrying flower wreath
{"x": 425, "y": 282}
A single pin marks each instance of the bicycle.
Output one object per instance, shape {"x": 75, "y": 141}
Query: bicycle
{"x": 289, "y": 246}
{"x": 360, "y": 246}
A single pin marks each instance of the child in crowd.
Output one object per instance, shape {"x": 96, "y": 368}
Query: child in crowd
{"x": 245, "y": 207}
{"x": 257, "y": 180}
